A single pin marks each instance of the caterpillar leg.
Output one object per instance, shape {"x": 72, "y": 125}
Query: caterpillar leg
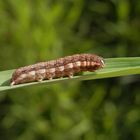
{"x": 12, "y": 83}
{"x": 40, "y": 80}
{"x": 70, "y": 75}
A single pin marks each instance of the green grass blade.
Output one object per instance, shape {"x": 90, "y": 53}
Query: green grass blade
{"x": 114, "y": 67}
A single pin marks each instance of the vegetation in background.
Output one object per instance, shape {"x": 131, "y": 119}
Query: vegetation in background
{"x": 39, "y": 30}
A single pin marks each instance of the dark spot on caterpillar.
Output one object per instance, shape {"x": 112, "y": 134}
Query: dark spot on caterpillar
{"x": 61, "y": 67}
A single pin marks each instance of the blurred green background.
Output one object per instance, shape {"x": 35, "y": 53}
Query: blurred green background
{"x": 40, "y": 30}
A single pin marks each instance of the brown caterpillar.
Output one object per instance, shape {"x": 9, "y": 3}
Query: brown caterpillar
{"x": 61, "y": 67}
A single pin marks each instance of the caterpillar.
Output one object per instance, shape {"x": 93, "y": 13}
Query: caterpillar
{"x": 66, "y": 66}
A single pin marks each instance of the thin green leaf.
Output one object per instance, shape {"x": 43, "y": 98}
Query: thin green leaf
{"x": 114, "y": 67}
